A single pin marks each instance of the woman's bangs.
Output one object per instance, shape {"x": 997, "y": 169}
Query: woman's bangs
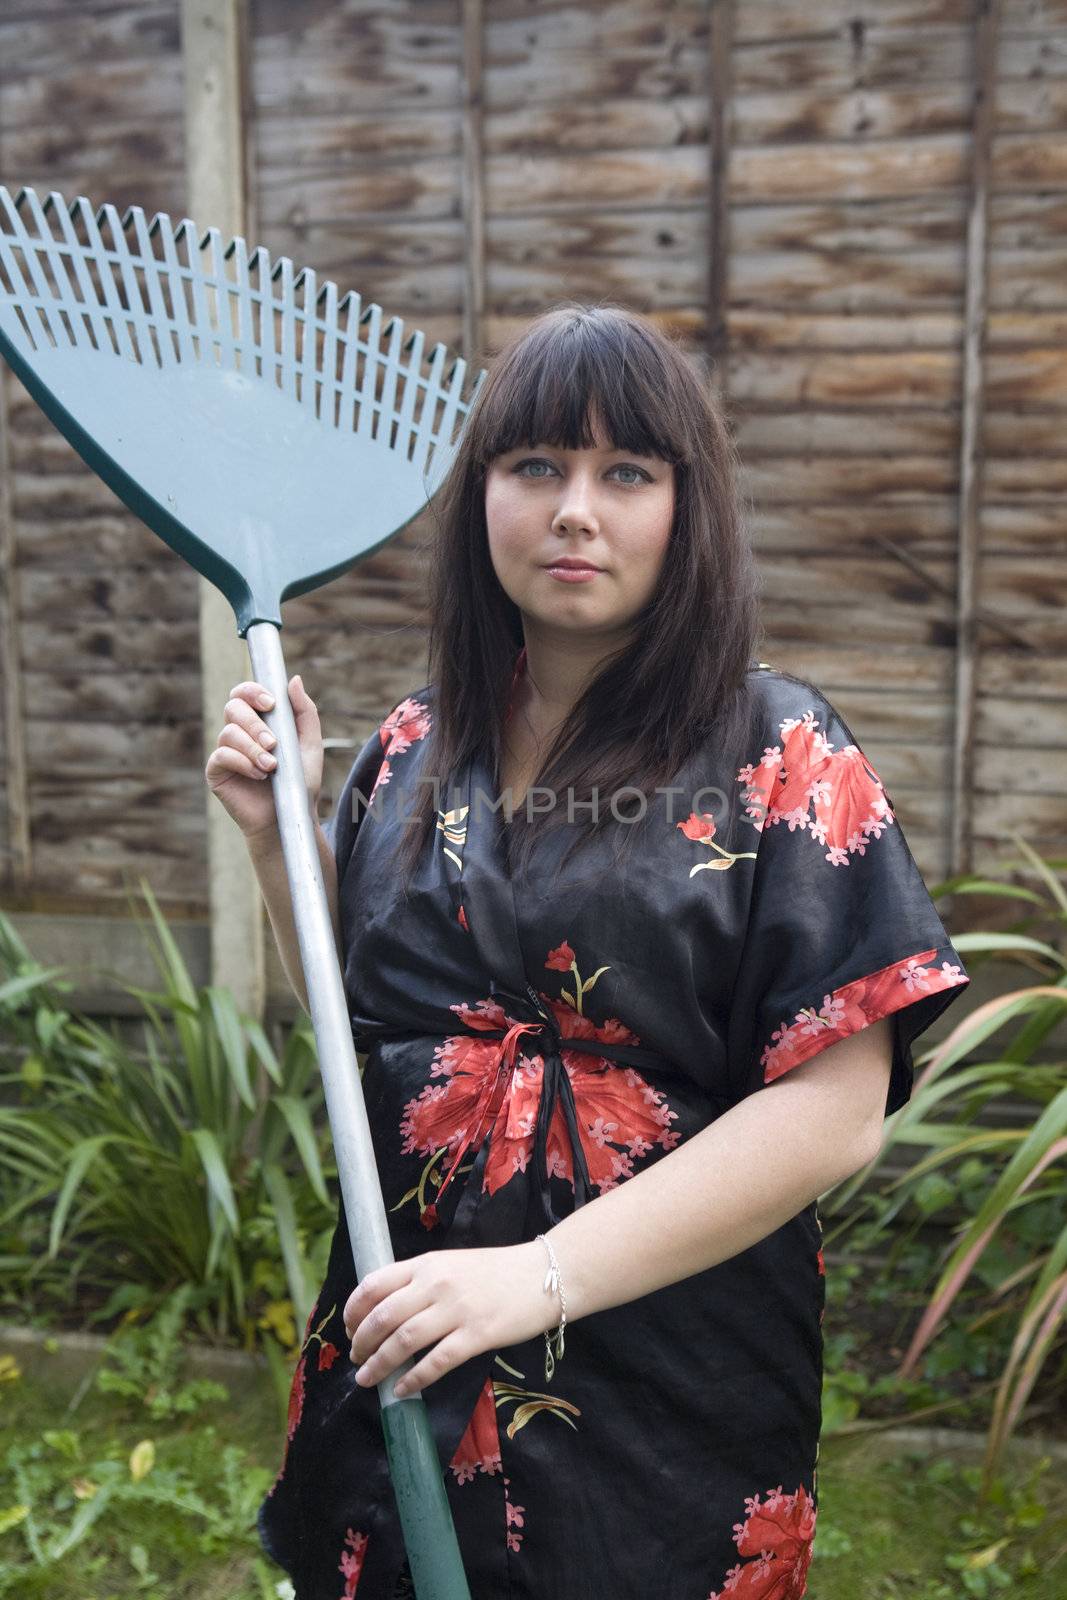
{"x": 551, "y": 394}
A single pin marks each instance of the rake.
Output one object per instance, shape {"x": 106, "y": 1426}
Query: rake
{"x": 220, "y": 405}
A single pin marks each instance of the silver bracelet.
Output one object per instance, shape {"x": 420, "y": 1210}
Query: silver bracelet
{"x": 554, "y": 1285}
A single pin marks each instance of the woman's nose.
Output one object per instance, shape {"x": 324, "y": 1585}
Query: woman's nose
{"x": 577, "y": 505}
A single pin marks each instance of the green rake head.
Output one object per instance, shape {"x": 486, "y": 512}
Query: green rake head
{"x": 271, "y": 443}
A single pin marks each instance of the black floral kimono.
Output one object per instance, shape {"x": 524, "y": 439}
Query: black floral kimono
{"x": 675, "y": 1450}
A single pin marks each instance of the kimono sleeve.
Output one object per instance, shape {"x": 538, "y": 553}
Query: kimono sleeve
{"x": 842, "y": 930}
{"x": 341, "y": 825}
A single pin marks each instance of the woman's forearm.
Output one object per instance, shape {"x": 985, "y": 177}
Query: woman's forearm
{"x": 721, "y": 1191}
{"x": 731, "y": 1184}
{"x": 269, "y": 863}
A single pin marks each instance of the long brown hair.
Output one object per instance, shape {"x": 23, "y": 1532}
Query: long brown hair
{"x": 682, "y": 679}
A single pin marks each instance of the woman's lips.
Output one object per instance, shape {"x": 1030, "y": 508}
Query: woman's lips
{"x": 573, "y": 574}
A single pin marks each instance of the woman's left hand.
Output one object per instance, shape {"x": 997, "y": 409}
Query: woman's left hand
{"x": 456, "y": 1302}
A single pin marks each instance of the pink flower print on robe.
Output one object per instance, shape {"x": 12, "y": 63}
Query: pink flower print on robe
{"x": 777, "y": 1539}
{"x": 805, "y": 774}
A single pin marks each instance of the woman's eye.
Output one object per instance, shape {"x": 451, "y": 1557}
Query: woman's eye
{"x": 639, "y": 475}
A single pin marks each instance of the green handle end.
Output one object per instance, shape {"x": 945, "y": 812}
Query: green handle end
{"x": 422, "y": 1503}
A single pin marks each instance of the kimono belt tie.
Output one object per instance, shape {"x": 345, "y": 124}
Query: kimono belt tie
{"x": 555, "y": 1087}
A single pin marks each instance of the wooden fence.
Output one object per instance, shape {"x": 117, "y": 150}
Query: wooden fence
{"x": 854, "y": 216}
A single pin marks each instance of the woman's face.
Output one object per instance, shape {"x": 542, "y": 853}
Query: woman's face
{"x": 612, "y": 509}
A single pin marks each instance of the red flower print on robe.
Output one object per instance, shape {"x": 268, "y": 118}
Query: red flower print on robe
{"x": 351, "y": 1562}
{"x": 328, "y": 1354}
{"x": 296, "y": 1388}
{"x": 479, "y": 1448}
{"x": 405, "y": 725}
{"x": 700, "y": 828}
{"x": 560, "y": 959}
{"x": 296, "y": 1398}
{"x": 851, "y": 1007}
{"x": 806, "y": 772}
{"x": 778, "y": 1536}
{"x": 620, "y": 1116}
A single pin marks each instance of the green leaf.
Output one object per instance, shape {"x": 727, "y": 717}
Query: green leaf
{"x": 263, "y": 1050}
{"x": 968, "y": 943}
{"x": 232, "y": 1039}
{"x": 14, "y": 987}
{"x": 1012, "y": 891}
{"x": 1044, "y": 868}
{"x": 207, "y": 1148}
{"x": 82, "y": 1158}
{"x": 277, "y": 1186}
{"x": 296, "y": 1116}
{"x": 174, "y": 968}
{"x": 85, "y": 1516}
{"x": 33, "y": 1072}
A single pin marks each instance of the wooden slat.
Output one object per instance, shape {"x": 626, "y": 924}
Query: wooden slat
{"x": 858, "y": 283}
{"x": 720, "y": 136}
{"x": 783, "y": 329}
{"x": 390, "y": 56}
{"x": 17, "y": 864}
{"x": 1010, "y": 434}
{"x": 472, "y": 181}
{"x": 1035, "y": 378}
{"x": 838, "y": 667}
{"x": 138, "y": 31}
{"x": 1016, "y": 588}
{"x": 960, "y": 856}
{"x": 925, "y": 527}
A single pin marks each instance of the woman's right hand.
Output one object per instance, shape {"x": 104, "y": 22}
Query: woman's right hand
{"x": 243, "y": 758}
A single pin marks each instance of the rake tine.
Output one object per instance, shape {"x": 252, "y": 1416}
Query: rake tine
{"x": 452, "y": 401}
{"x": 413, "y": 382}
{"x": 141, "y": 332}
{"x": 176, "y": 278}
{"x": 287, "y": 364}
{"x": 330, "y": 388}
{"x": 90, "y": 309}
{"x": 371, "y": 361}
{"x": 307, "y": 366}
{"x": 223, "y": 318}
{"x": 50, "y": 307}
{"x": 154, "y": 286}
{"x": 115, "y": 316}
{"x": 387, "y": 413}
{"x": 264, "y": 297}
{"x": 201, "y": 329}
{"x": 14, "y": 273}
{"x": 425, "y": 434}
{"x": 246, "y": 332}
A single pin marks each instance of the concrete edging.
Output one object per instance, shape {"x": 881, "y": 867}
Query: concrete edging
{"x": 220, "y": 1363}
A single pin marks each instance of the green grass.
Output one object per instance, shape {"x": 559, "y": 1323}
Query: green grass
{"x": 903, "y": 1523}
{"x": 893, "y": 1522}
{"x": 182, "y": 1531}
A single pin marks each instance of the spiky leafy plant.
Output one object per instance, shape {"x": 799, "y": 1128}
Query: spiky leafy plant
{"x": 195, "y": 1160}
{"x": 993, "y": 1052}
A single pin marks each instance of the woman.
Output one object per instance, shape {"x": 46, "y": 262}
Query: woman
{"x": 620, "y": 1036}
